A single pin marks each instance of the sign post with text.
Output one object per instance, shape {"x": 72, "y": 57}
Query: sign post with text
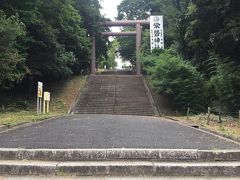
{"x": 46, "y": 101}
{"x": 39, "y": 97}
{"x": 156, "y": 32}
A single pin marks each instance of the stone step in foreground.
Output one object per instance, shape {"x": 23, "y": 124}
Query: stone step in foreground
{"x": 120, "y": 162}
{"x": 124, "y": 168}
{"x": 166, "y": 155}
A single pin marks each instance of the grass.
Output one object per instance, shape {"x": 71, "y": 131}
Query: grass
{"x": 63, "y": 93}
{"x": 14, "y": 118}
{"x": 228, "y": 128}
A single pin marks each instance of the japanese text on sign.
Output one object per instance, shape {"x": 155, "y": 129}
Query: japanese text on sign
{"x": 40, "y": 89}
{"x": 156, "y": 32}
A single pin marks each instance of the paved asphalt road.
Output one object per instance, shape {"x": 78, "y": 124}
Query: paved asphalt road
{"x": 109, "y": 131}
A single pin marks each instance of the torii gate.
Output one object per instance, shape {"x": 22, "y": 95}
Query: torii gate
{"x": 137, "y": 33}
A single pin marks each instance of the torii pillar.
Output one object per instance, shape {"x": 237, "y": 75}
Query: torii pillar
{"x": 93, "y": 59}
{"x": 138, "y": 48}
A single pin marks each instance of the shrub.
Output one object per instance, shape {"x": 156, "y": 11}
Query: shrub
{"x": 227, "y": 84}
{"x": 179, "y": 80}
{"x": 12, "y": 61}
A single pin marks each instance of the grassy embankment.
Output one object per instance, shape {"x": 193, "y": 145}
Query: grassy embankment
{"x": 230, "y": 126}
{"x": 63, "y": 94}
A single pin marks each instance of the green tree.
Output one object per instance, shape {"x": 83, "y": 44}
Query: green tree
{"x": 92, "y": 21}
{"x": 56, "y": 42}
{"x": 12, "y": 61}
{"x": 142, "y": 9}
{"x": 112, "y": 54}
{"x": 211, "y": 25}
{"x": 134, "y": 9}
{"x": 178, "y": 79}
{"x": 47, "y": 58}
{"x": 69, "y": 30}
{"x": 226, "y": 80}
{"x": 226, "y": 39}
{"x": 127, "y": 47}
{"x": 210, "y": 31}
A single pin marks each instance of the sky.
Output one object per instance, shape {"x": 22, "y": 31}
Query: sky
{"x": 109, "y": 10}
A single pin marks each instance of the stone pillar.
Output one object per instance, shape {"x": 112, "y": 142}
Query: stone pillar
{"x": 138, "y": 48}
{"x": 93, "y": 59}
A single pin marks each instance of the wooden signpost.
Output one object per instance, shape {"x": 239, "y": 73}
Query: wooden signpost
{"x": 46, "y": 101}
{"x": 39, "y": 97}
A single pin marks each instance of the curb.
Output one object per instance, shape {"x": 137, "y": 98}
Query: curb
{"x": 71, "y": 110}
{"x": 3, "y": 128}
{"x": 150, "y": 97}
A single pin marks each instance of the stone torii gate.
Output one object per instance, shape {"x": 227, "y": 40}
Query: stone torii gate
{"x": 137, "y": 33}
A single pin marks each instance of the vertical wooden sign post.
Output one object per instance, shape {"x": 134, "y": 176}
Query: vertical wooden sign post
{"x": 39, "y": 97}
{"x": 188, "y": 112}
{"x": 46, "y": 101}
{"x": 239, "y": 116}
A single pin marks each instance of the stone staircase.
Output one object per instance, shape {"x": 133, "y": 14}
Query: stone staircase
{"x": 115, "y": 94}
{"x": 118, "y": 72}
{"x": 120, "y": 162}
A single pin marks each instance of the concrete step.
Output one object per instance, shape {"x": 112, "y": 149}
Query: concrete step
{"x": 114, "y": 112}
{"x": 134, "y": 113}
{"x": 110, "y": 94}
{"x": 113, "y": 108}
{"x": 97, "y": 106}
{"x": 111, "y": 103}
{"x": 166, "y": 155}
{"x": 120, "y": 162}
{"x": 146, "y": 108}
{"x": 93, "y": 112}
{"x": 120, "y": 108}
{"x": 117, "y": 73}
{"x": 120, "y": 168}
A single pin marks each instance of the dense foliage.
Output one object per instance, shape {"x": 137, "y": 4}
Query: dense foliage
{"x": 46, "y": 40}
{"x": 109, "y": 62}
{"x": 204, "y": 33}
{"x": 226, "y": 81}
{"x": 12, "y": 60}
{"x": 141, "y": 9}
{"x": 177, "y": 79}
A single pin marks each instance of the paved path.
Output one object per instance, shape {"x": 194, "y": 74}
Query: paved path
{"x": 109, "y": 131}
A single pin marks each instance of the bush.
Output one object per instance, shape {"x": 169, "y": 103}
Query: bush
{"x": 179, "y": 80}
{"x": 227, "y": 84}
{"x": 12, "y": 61}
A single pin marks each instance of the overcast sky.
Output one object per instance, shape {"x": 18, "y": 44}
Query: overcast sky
{"x": 110, "y": 8}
